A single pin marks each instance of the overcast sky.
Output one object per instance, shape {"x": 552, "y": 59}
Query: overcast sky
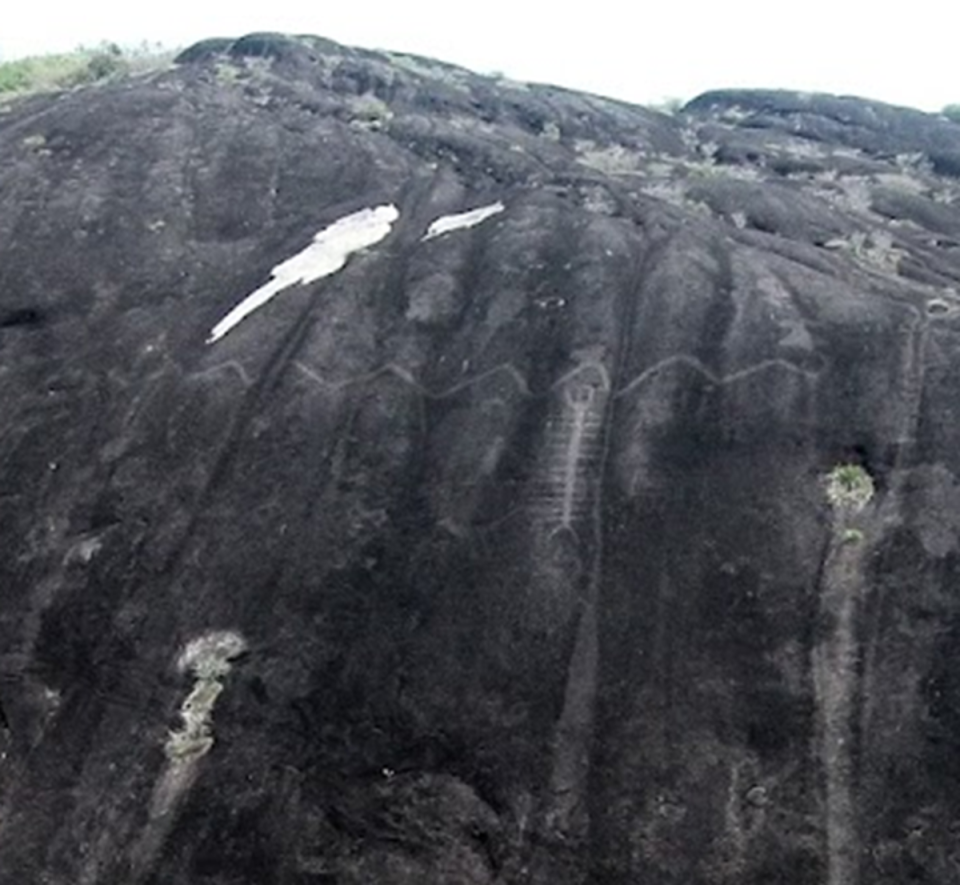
{"x": 904, "y": 53}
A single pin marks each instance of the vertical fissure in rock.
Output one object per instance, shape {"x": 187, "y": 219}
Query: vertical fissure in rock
{"x": 836, "y": 673}
{"x": 569, "y": 511}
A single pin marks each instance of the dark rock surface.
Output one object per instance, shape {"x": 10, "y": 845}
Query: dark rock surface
{"x": 508, "y": 556}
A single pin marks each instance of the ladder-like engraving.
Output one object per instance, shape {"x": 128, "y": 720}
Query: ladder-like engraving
{"x": 564, "y": 492}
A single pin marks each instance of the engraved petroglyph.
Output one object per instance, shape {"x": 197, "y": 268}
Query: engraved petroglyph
{"x": 403, "y": 374}
{"x": 691, "y": 362}
{"x": 575, "y": 435}
{"x": 572, "y": 449}
{"x": 508, "y": 369}
{"x": 230, "y": 367}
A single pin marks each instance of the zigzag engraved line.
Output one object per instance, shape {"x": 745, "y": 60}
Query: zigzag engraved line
{"x": 600, "y": 369}
{"x": 404, "y": 375}
{"x": 698, "y": 366}
{"x": 518, "y": 379}
{"x": 229, "y": 366}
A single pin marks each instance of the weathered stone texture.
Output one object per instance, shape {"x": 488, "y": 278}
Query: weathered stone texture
{"x": 524, "y": 528}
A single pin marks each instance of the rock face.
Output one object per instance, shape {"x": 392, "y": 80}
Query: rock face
{"x": 575, "y": 500}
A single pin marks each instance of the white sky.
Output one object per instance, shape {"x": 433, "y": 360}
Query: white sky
{"x": 904, "y": 53}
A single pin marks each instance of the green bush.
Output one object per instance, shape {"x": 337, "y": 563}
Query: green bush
{"x": 952, "y": 112}
{"x": 849, "y": 487}
{"x": 106, "y": 62}
{"x": 45, "y": 73}
{"x": 14, "y": 77}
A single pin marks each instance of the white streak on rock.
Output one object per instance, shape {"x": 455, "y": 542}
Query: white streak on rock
{"x": 326, "y": 254}
{"x": 447, "y": 223}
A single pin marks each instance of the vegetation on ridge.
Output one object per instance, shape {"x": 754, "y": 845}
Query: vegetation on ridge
{"x": 45, "y": 73}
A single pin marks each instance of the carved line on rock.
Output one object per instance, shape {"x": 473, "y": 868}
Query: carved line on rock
{"x": 404, "y": 375}
{"x": 599, "y": 367}
{"x": 229, "y": 366}
{"x": 520, "y": 382}
{"x": 588, "y": 407}
{"x": 695, "y": 364}
{"x": 563, "y": 493}
{"x": 573, "y": 446}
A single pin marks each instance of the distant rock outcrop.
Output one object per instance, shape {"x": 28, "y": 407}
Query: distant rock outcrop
{"x": 409, "y": 476}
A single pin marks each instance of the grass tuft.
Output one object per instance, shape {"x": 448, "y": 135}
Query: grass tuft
{"x": 51, "y": 73}
{"x": 849, "y": 488}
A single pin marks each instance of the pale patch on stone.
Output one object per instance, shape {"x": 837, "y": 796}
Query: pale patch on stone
{"x": 209, "y": 657}
{"x": 797, "y": 337}
{"x": 448, "y": 223}
{"x": 84, "y": 550}
{"x": 326, "y": 254}
{"x": 212, "y": 650}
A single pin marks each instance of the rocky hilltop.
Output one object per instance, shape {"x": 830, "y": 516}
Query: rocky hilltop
{"x": 409, "y": 476}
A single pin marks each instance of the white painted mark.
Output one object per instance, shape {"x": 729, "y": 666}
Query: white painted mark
{"x": 326, "y": 254}
{"x": 447, "y": 223}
